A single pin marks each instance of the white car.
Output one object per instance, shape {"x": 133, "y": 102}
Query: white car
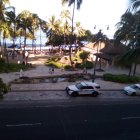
{"x": 132, "y": 89}
{"x": 83, "y": 88}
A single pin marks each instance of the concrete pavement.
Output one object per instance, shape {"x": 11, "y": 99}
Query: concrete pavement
{"x": 42, "y": 91}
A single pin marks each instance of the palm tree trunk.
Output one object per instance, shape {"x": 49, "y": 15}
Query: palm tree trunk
{"x": 135, "y": 67}
{"x": 1, "y": 51}
{"x": 130, "y": 70}
{"x": 100, "y": 64}
{"x": 24, "y": 45}
{"x": 72, "y": 29}
{"x": 5, "y": 49}
{"x": 94, "y": 73}
{"x": 6, "y": 53}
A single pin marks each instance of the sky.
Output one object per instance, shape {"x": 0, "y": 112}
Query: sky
{"x": 92, "y": 12}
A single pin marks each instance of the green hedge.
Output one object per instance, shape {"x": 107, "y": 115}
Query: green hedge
{"x": 123, "y": 78}
{"x": 88, "y": 65}
{"x": 3, "y": 88}
{"x": 11, "y": 67}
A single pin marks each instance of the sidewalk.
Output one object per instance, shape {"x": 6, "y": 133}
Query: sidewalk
{"x": 42, "y": 70}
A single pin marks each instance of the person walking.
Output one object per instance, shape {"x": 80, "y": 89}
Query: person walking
{"x": 52, "y": 69}
{"x": 26, "y": 57}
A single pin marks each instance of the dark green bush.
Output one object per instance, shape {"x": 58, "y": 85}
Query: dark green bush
{"x": 121, "y": 78}
{"x": 12, "y": 67}
{"x": 88, "y": 65}
{"x": 67, "y": 67}
{"x": 79, "y": 65}
{"x": 3, "y": 88}
{"x": 54, "y": 58}
{"x": 2, "y": 61}
{"x": 53, "y": 63}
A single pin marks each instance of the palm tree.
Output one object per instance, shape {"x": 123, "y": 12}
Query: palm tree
{"x": 125, "y": 28}
{"x": 78, "y": 4}
{"x": 132, "y": 56}
{"x": 6, "y": 34}
{"x": 99, "y": 39}
{"x": 134, "y": 5}
{"x": 65, "y": 15}
{"x": 24, "y": 20}
{"x": 2, "y": 16}
{"x": 128, "y": 31}
{"x": 74, "y": 2}
{"x": 11, "y": 18}
{"x": 53, "y": 28}
{"x": 35, "y": 26}
{"x": 79, "y": 32}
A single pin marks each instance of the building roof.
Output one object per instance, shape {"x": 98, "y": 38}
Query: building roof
{"x": 113, "y": 50}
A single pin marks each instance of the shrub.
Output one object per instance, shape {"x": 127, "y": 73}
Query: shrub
{"x": 54, "y": 58}
{"x": 55, "y": 64}
{"x": 67, "y": 67}
{"x": 121, "y": 78}
{"x": 12, "y": 67}
{"x": 79, "y": 65}
{"x": 88, "y": 65}
{"x": 2, "y": 61}
{"x": 3, "y": 88}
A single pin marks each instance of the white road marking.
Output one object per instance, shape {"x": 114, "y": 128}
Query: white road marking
{"x": 18, "y": 125}
{"x": 127, "y": 118}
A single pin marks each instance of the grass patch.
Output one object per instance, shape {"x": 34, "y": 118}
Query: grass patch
{"x": 12, "y": 67}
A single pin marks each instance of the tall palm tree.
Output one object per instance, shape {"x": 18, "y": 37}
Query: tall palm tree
{"x": 2, "y": 16}
{"x": 35, "y": 26}
{"x": 99, "y": 38}
{"x": 78, "y": 4}
{"x": 11, "y": 18}
{"x": 65, "y": 16}
{"x": 24, "y": 20}
{"x": 6, "y": 34}
{"x": 53, "y": 28}
{"x": 128, "y": 30}
{"x": 79, "y": 30}
{"x": 134, "y": 5}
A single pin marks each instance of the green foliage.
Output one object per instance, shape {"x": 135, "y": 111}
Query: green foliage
{"x": 11, "y": 67}
{"x": 54, "y": 61}
{"x": 3, "y": 88}
{"x": 83, "y": 55}
{"x": 55, "y": 64}
{"x": 54, "y": 58}
{"x": 2, "y": 61}
{"x": 87, "y": 64}
{"x": 79, "y": 65}
{"x": 68, "y": 67}
{"x": 121, "y": 78}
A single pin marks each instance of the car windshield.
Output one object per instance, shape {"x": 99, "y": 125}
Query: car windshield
{"x": 134, "y": 87}
{"x": 79, "y": 85}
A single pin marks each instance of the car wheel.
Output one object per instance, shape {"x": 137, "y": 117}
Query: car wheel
{"x": 133, "y": 94}
{"x": 74, "y": 94}
{"x": 94, "y": 94}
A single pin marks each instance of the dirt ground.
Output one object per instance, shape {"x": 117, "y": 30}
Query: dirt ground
{"x": 35, "y": 59}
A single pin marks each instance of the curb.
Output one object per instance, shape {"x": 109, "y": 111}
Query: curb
{"x": 59, "y": 90}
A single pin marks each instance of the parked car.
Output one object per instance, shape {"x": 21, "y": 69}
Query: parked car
{"x": 83, "y": 88}
{"x": 132, "y": 90}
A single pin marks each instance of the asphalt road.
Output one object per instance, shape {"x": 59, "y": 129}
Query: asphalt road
{"x": 83, "y": 120}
